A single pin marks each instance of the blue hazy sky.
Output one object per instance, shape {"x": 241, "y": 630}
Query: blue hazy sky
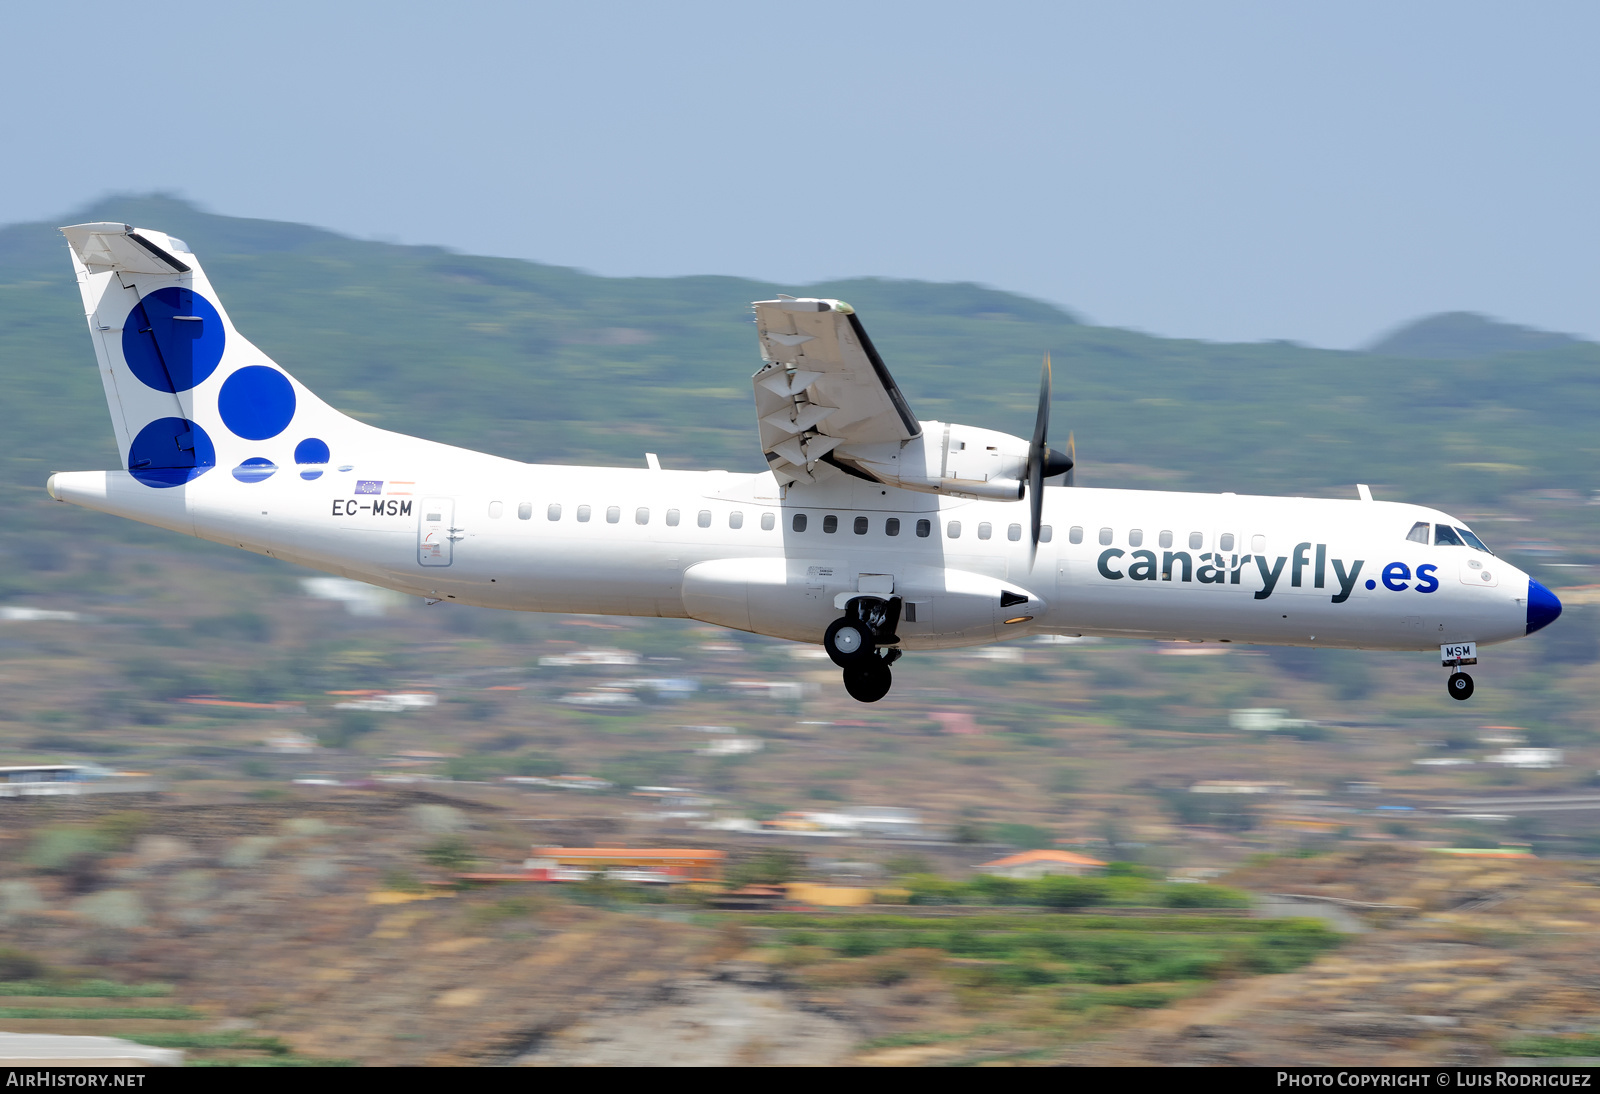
{"x": 1238, "y": 171}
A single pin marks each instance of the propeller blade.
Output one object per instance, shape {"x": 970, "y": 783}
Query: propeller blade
{"x": 1041, "y": 424}
{"x": 1035, "y": 506}
{"x": 1038, "y": 456}
{"x": 1072, "y": 454}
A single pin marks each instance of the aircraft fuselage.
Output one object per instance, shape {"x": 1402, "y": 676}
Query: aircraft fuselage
{"x": 738, "y": 551}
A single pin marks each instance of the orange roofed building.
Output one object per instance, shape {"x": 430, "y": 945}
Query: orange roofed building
{"x": 1035, "y": 864}
{"x": 627, "y": 863}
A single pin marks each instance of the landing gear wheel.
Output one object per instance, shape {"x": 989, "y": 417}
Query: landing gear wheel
{"x": 868, "y": 681}
{"x": 848, "y": 642}
{"x": 1460, "y": 685}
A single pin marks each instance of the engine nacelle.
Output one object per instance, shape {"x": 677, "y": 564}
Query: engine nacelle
{"x": 947, "y": 458}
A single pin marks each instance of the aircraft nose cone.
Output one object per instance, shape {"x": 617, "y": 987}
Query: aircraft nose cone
{"x": 1543, "y": 607}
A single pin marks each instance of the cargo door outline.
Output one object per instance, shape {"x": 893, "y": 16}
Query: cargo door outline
{"x": 436, "y": 532}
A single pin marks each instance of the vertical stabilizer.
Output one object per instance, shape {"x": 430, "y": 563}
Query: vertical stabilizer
{"x": 187, "y": 393}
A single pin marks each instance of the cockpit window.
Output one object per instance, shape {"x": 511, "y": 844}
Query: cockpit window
{"x": 1445, "y": 536}
{"x": 1419, "y": 532}
{"x": 1473, "y": 541}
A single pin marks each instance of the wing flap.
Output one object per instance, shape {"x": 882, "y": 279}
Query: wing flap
{"x": 823, "y": 385}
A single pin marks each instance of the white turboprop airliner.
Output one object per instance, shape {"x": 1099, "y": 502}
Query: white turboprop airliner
{"x": 871, "y": 532}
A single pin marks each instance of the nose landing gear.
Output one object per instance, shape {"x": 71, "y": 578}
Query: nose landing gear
{"x": 860, "y": 642}
{"x": 1452, "y": 657}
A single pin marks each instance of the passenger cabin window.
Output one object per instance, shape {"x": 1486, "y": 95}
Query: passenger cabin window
{"x": 552, "y": 512}
{"x": 1443, "y": 536}
{"x": 1046, "y": 533}
{"x": 799, "y": 522}
{"x": 1258, "y": 544}
{"x": 1419, "y": 532}
{"x": 953, "y": 529}
{"x": 768, "y": 522}
{"x": 830, "y": 524}
{"x": 496, "y": 508}
{"x": 613, "y": 514}
{"x": 924, "y": 529}
{"x": 985, "y": 530}
{"x": 672, "y": 518}
{"x": 1226, "y": 542}
{"x": 1135, "y": 537}
{"x": 1014, "y": 532}
{"x": 1105, "y": 537}
{"x": 1165, "y": 537}
{"x": 736, "y": 519}
{"x": 583, "y": 514}
{"x": 1197, "y": 540}
{"x": 703, "y": 519}
{"x": 1075, "y": 534}
{"x": 891, "y": 527}
{"x": 861, "y": 526}
{"x": 525, "y": 511}
{"x": 641, "y": 515}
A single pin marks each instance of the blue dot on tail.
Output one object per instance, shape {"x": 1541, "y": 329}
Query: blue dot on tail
{"x": 256, "y": 402}
{"x": 170, "y": 452}
{"x": 255, "y": 469}
{"x": 312, "y": 455}
{"x": 173, "y": 339}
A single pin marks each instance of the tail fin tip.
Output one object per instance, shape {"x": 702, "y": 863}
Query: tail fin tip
{"x": 113, "y": 245}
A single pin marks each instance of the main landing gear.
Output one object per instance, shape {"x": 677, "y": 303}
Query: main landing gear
{"x": 860, "y": 642}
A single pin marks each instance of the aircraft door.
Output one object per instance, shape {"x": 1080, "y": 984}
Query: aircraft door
{"x": 436, "y": 531}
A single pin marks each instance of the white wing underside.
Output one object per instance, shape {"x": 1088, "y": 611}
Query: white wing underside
{"x": 823, "y": 386}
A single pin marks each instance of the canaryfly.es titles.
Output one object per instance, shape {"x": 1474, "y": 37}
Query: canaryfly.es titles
{"x": 1219, "y": 568}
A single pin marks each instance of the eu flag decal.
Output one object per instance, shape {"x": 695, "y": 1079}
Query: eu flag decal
{"x": 369, "y": 486}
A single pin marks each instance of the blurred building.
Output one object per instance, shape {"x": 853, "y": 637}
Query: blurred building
{"x": 1533, "y": 758}
{"x": 602, "y": 698}
{"x": 56, "y": 780}
{"x": 358, "y": 597}
{"x": 1265, "y": 720}
{"x": 731, "y": 746}
{"x": 386, "y": 702}
{"x": 37, "y": 615}
{"x": 883, "y": 821}
{"x": 1042, "y": 863}
{"x": 626, "y": 863}
{"x": 1240, "y": 786}
{"x": 590, "y": 657}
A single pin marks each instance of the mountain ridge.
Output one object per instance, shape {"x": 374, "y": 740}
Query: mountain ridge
{"x": 1465, "y": 336}
{"x": 549, "y": 364}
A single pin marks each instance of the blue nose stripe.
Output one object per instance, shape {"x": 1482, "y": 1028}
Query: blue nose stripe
{"x": 1543, "y": 607}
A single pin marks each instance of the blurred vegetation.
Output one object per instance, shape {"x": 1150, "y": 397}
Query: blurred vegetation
{"x": 1573, "y": 1045}
{"x": 1080, "y": 967}
{"x": 449, "y": 853}
{"x": 1066, "y": 892}
{"x": 15, "y": 965}
{"x": 66, "y": 989}
{"x": 771, "y": 867}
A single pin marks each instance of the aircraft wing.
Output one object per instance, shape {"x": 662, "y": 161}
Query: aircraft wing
{"x": 823, "y": 385}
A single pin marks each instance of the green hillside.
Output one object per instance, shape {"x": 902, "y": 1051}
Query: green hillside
{"x": 546, "y": 363}
{"x": 1465, "y": 336}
